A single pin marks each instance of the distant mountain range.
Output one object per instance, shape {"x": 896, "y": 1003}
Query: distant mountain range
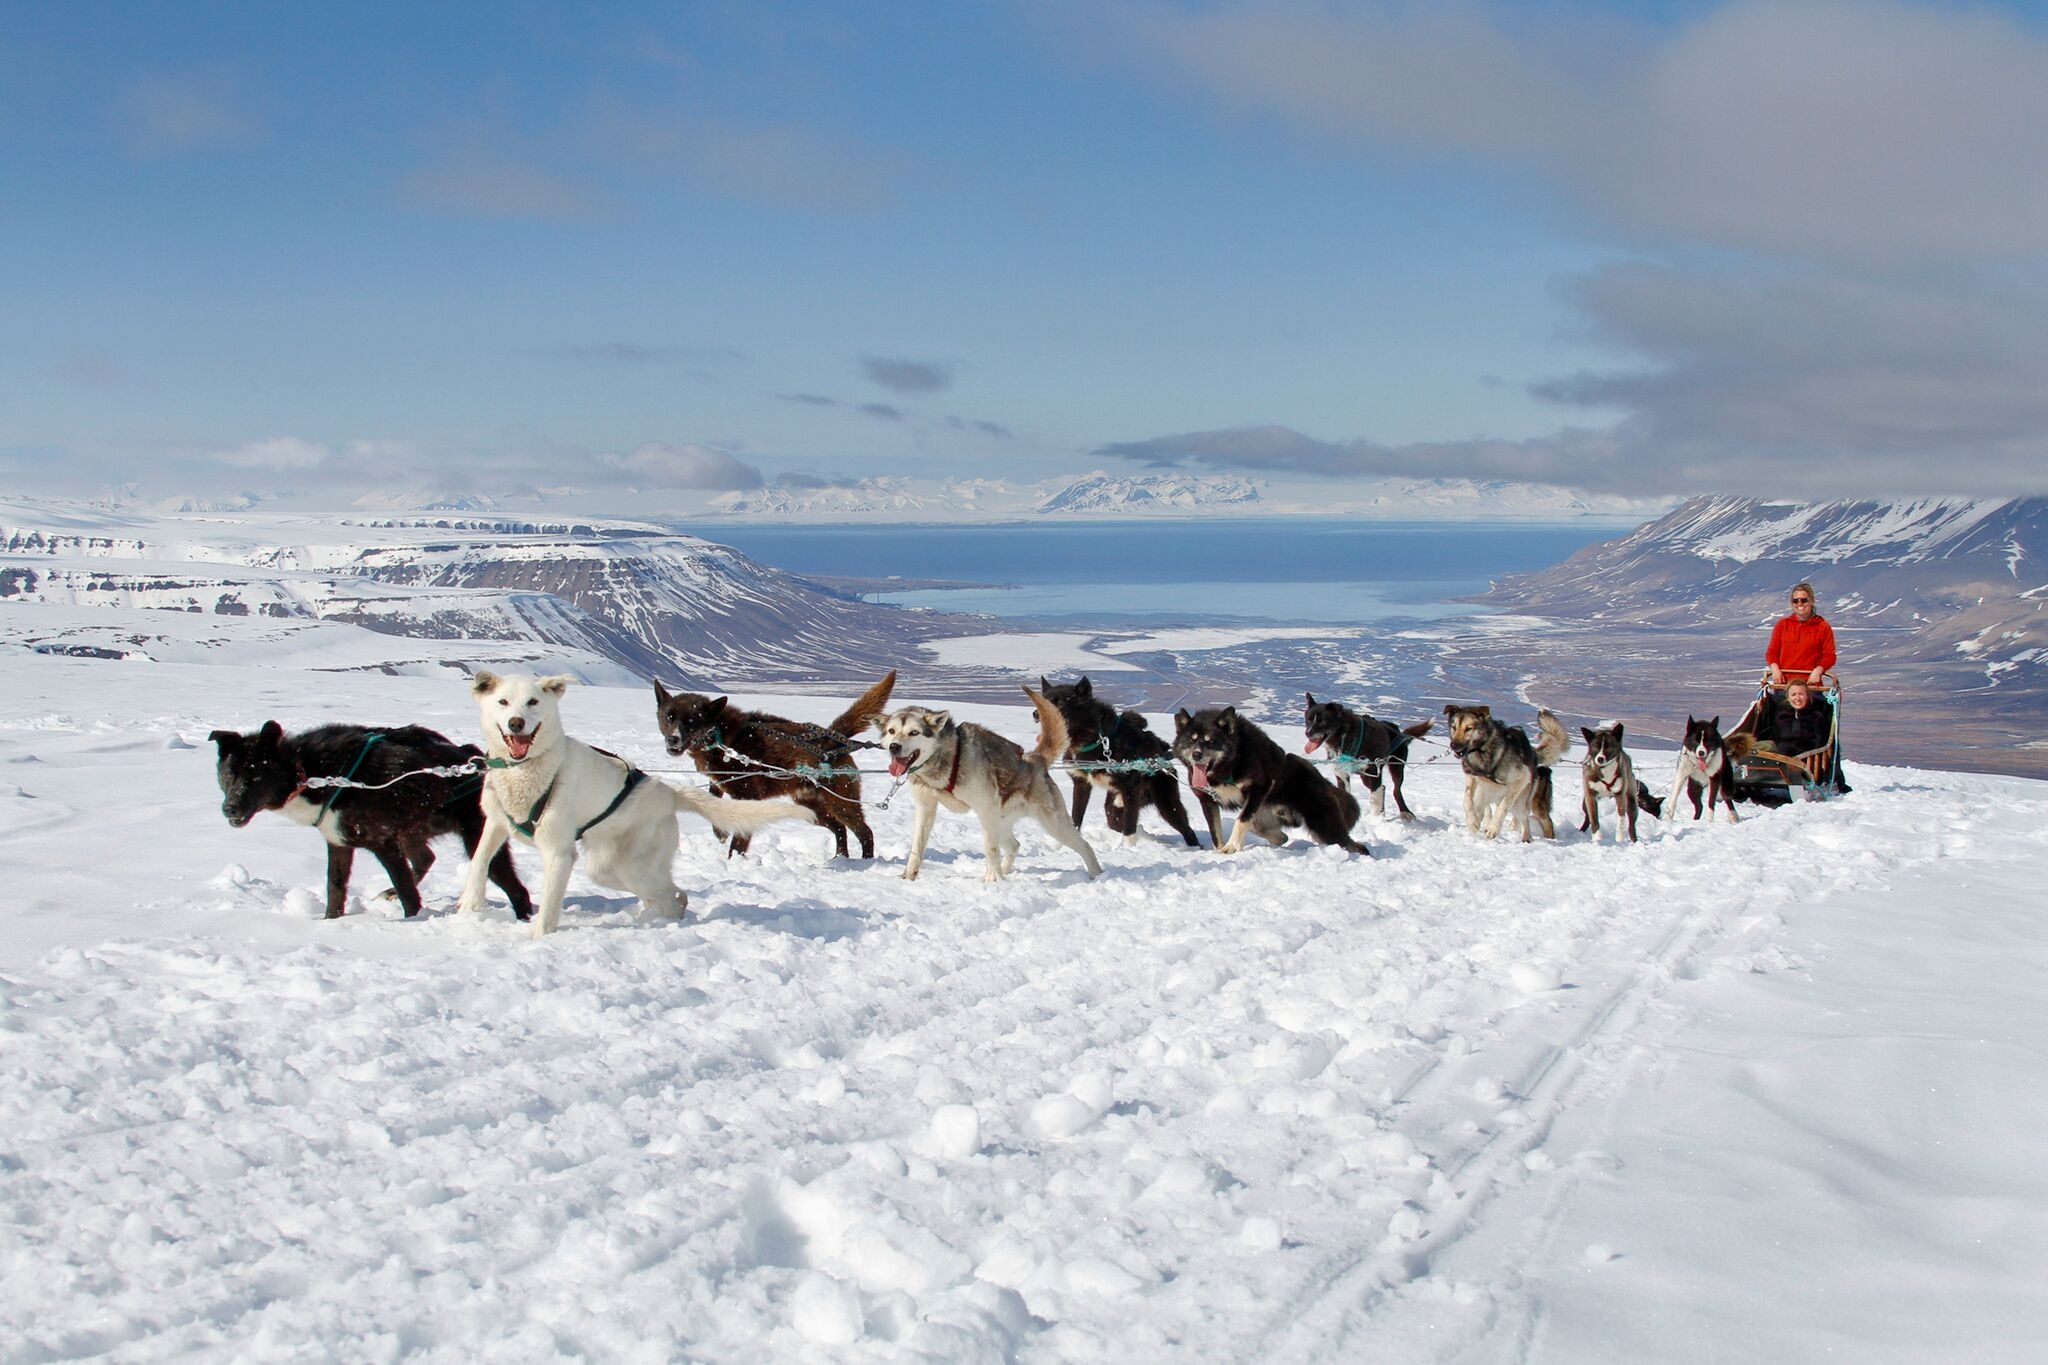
{"x": 1100, "y": 494}
{"x": 654, "y": 602}
{"x": 1940, "y": 609}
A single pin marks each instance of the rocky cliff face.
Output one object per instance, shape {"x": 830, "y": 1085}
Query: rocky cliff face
{"x": 661, "y": 605}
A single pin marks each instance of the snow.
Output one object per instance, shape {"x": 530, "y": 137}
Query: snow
{"x": 1757, "y": 1091}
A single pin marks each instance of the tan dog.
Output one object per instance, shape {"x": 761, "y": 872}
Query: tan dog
{"x": 967, "y": 767}
{"x": 1505, "y": 775}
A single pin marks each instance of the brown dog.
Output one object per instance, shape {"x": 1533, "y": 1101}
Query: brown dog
{"x": 755, "y": 755}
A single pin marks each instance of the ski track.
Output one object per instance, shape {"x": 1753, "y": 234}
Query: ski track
{"x": 1227, "y": 1108}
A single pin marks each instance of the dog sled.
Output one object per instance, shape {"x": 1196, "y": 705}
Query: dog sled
{"x": 1768, "y": 777}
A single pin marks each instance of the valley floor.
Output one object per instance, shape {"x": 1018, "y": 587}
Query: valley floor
{"x": 1756, "y": 1091}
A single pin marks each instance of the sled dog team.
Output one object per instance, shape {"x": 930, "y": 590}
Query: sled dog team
{"x": 392, "y": 791}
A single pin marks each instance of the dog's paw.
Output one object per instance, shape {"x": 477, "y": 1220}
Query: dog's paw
{"x": 467, "y": 906}
{"x": 909, "y": 874}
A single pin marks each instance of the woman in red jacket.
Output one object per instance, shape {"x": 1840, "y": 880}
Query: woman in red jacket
{"x": 1801, "y": 643}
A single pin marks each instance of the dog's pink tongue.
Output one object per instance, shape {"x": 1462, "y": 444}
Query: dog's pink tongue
{"x": 1198, "y": 775}
{"x": 520, "y": 745}
{"x": 898, "y": 767}
{"x": 1312, "y": 746}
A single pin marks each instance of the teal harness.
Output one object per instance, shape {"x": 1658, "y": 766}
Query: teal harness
{"x": 369, "y": 742}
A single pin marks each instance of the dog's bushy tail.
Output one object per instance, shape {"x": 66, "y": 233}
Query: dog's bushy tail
{"x": 736, "y": 816}
{"x": 1649, "y": 802}
{"x": 866, "y": 709}
{"x": 1555, "y": 741}
{"x": 1052, "y": 730}
{"x": 1419, "y": 729}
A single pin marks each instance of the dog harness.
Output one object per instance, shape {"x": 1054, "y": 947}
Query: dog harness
{"x": 369, "y": 742}
{"x": 1003, "y": 794}
{"x": 634, "y": 777}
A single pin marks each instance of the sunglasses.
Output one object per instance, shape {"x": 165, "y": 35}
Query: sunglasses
{"x": 1798, "y": 600}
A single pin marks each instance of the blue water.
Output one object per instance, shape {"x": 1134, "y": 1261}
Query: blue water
{"x": 1294, "y": 570}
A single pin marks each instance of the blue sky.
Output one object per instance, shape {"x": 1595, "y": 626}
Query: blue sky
{"x": 1794, "y": 248}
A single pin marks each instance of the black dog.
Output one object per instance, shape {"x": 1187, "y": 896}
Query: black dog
{"x": 1098, "y": 733}
{"x": 1375, "y": 749}
{"x": 267, "y": 770}
{"x": 1233, "y": 762}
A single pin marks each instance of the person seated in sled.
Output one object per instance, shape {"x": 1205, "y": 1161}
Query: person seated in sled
{"x": 1798, "y": 723}
{"x": 1801, "y": 642}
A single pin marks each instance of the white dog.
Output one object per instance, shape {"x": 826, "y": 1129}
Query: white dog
{"x": 555, "y": 792}
{"x": 966, "y": 767}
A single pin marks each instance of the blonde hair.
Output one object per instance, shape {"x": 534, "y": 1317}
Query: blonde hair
{"x": 1807, "y": 588}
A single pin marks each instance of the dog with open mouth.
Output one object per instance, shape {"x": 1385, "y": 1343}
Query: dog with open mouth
{"x": 1375, "y": 749}
{"x": 967, "y": 767}
{"x": 1506, "y": 776}
{"x": 1705, "y": 766}
{"x": 1241, "y": 768}
{"x": 559, "y": 793}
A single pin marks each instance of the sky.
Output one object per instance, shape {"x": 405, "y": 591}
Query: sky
{"x": 663, "y": 251}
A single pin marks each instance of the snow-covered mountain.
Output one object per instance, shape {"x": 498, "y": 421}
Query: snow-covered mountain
{"x": 1483, "y": 499}
{"x": 1938, "y": 608}
{"x": 1178, "y": 493}
{"x": 651, "y": 602}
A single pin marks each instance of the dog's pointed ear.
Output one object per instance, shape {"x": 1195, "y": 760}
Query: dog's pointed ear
{"x": 1311, "y": 697}
{"x": 1714, "y": 724}
{"x": 226, "y": 739}
{"x": 714, "y": 707}
{"x": 1451, "y": 709}
{"x": 1228, "y": 719}
{"x": 271, "y": 733}
{"x": 556, "y": 685}
{"x": 1587, "y": 731}
{"x": 1181, "y": 719}
{"x": 1043, "y": 685}
{"x": 1617, "y": 732}
{"x": 1084, "y": 688}
{"x": 483, "y": 682}
{"x": 941, "y": 720}
{"x": 661, "y": 697}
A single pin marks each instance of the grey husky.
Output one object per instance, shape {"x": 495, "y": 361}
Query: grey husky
{"x": 963, "y": 766}
{"x": 1608, "y": 773}
{"x": 1505, "y": 775}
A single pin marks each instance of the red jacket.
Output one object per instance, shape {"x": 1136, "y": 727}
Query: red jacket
{"x": 1802, "y": 646}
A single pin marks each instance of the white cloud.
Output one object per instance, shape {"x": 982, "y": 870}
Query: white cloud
{"x": 165, "y": 115}
{"x": 275, "y": 452}
{"x": 1865, "y": 129}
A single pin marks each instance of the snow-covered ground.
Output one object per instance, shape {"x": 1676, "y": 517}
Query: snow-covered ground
{"x": 1769, "y": 1091}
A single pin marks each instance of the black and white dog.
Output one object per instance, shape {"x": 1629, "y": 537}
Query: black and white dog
{"x": 1097, "y": 733}
{"x": 1375, "y": 749}
{"x": 1234, "y": 764}
{"x": 1704, "y": 766}
{"x": 1609, "y": 774}
{"x": 267, "y": 769}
